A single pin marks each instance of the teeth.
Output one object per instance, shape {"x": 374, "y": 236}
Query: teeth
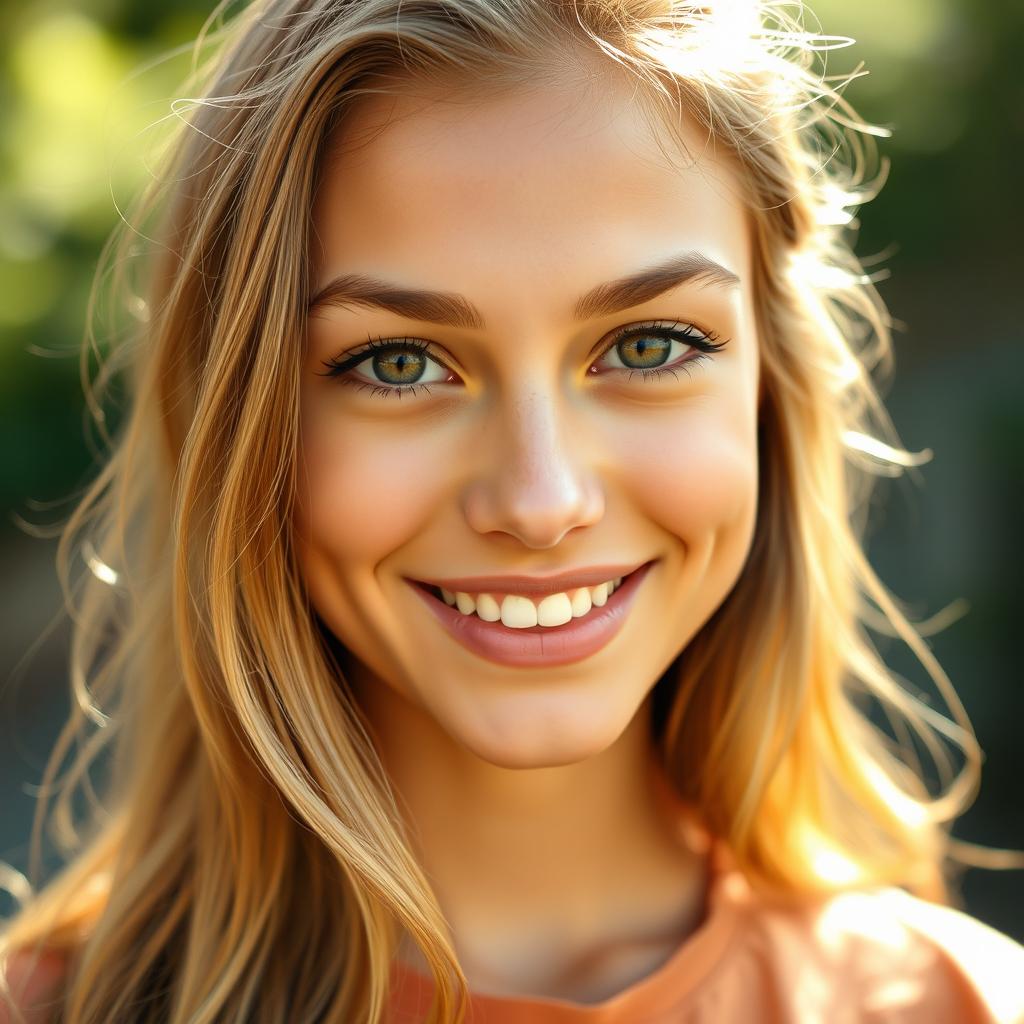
{"x": 581, "y": 602}
{"x": 554, "y": 610}
{"x": 487, "y": 608}
{"x": 518, "y": 612}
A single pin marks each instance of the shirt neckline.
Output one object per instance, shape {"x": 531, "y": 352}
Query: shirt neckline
{"x": 661, "y": 990}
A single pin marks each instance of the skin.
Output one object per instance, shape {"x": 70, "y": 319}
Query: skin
{"x": 528, "y": 791}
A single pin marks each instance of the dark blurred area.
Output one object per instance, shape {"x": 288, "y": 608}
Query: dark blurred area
{"x": 82, "y": 101}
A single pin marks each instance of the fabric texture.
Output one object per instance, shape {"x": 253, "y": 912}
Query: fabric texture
{"x": 878, "y": 956}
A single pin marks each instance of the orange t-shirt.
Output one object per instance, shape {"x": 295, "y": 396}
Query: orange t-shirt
{"x": 878, "y": 956}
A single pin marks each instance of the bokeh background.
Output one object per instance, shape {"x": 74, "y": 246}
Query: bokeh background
{"x": 81, "y": 88}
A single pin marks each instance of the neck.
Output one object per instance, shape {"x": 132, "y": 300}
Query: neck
{"x": 542, "y": 871}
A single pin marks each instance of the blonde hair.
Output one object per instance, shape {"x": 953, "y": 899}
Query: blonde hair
{"x": 248, "y": 861}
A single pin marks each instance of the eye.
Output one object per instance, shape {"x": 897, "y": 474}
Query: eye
{"x": 402, "y": 364}
{"x": 648, "y": 348}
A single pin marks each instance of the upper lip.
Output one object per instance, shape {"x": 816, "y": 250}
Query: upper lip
{"x": 572, "y": 579}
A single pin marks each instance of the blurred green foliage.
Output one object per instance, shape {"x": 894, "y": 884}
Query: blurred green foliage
{"x": 943, "y": 75}
{"x": 86, "y": 92}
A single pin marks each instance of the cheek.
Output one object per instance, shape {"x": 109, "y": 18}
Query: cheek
{"x": 700, "y": 481}
{"x": 366, "y": 491}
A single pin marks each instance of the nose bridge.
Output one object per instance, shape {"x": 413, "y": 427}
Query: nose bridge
{"x": 533, "y": 478}
{"x": 534, "y": 438}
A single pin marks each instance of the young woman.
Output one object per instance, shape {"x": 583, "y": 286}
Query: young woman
{"x": 477, "y": 602}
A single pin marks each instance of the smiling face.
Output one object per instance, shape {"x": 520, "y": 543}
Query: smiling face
{"x": 532, "y": 434}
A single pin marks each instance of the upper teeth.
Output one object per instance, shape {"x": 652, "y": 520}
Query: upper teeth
{"x": 520, "y": 612}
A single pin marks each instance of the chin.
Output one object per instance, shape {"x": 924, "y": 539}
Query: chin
{"x": 539, "y": 733}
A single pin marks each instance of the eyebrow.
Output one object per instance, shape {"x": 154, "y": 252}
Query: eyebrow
{"x": 455, "y": 310}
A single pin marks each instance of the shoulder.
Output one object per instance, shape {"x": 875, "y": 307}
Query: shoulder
{"x": 33, "y": 983}
{"x": 896, "y": 957}
{"x": 990, "y": 963}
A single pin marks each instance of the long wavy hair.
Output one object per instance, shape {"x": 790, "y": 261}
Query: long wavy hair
{"x": 245, "y": 860}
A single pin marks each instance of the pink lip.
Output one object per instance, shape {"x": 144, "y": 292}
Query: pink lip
{"x": 535, "y": 585}
{"x": 539, "y": 645}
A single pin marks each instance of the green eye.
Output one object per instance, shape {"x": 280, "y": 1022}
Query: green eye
{"x": 400, "y": 363}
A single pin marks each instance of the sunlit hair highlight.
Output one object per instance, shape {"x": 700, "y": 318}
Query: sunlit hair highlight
{"x": 247, "y": 861}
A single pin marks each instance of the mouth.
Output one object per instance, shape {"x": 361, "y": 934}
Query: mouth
{"x": 537, "y": 646}
{"x": 434, "y": 591}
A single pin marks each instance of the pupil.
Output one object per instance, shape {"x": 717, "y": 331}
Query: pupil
{"x": 395, "y": 362}
{"x": 658, "y": 347}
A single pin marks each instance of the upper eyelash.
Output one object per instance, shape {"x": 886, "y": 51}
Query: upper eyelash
{"x": 706, "y": 341}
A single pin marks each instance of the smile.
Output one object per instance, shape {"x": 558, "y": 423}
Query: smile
{"x": 582, "y": 621}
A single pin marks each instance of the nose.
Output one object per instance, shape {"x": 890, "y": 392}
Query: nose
{"x": 534, "y": 481}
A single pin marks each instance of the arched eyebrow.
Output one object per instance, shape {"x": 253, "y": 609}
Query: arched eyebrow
{"x": 456, "y": 310}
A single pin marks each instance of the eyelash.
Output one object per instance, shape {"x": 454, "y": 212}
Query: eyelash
{"x": 705, "y": 342}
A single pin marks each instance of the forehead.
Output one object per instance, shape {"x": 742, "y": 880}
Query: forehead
{"x": 532, "y": 191}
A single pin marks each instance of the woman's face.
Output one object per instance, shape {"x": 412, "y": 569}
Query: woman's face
{"x": 527, "y": 438}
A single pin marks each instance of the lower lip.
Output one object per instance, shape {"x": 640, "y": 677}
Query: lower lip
{"x": 538, "y": 646}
